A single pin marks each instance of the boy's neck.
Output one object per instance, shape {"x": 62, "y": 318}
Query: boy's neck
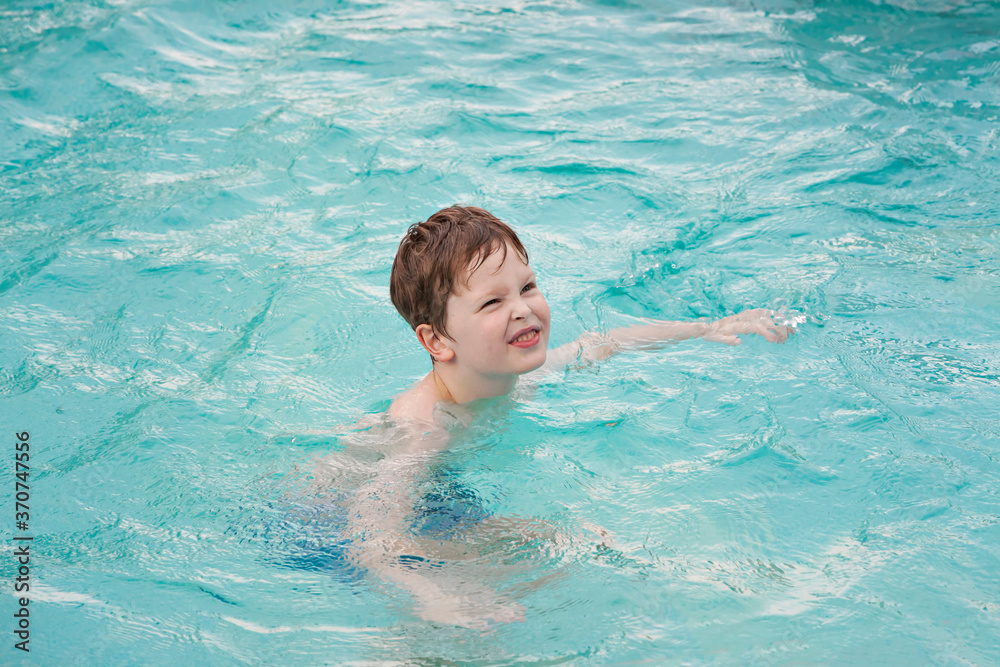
{"x": 458, "y": 387}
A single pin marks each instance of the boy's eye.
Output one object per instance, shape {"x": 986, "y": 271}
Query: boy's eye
{"x": 526, "y": 288}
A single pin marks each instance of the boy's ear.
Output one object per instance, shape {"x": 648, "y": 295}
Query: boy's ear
{"x": 433, "y": 343}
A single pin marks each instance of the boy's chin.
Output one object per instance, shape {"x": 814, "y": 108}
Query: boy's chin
{"x": 535, "y": 365}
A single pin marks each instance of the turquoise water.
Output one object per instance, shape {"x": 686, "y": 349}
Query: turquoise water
{"x": 200, "y": 205}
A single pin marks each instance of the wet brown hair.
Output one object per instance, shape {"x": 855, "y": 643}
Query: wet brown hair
{"x": 434, "y": 255}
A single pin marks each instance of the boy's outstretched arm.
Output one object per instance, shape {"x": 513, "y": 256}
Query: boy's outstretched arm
{"x": 758, "y": 321}
{"x": 595, "y": 346}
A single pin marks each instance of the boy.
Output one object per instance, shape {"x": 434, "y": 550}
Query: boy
{"x": 463, "y": 283}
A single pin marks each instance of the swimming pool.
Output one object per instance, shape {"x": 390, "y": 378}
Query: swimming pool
{"x": 200, "y": 206}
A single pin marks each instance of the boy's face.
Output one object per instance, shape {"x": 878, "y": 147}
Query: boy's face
{"x": 484, "y": 321}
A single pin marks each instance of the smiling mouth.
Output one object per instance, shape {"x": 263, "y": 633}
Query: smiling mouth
{"x": 527, "y": 339}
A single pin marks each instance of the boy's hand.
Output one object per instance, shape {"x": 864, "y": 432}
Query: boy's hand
{"x": 758, "y": 321}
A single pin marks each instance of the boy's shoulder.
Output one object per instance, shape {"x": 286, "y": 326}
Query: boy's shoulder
{"x": 415, "y": 404}
{"x": 421, "y": 407}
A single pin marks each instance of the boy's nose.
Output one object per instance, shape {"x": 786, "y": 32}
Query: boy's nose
{"x": 521, "y": 309}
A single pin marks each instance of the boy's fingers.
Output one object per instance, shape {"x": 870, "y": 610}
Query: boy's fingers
{"x": 766, "y": 329}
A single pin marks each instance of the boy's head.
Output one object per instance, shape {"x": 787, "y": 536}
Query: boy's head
{"x": 437, "y": 258}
